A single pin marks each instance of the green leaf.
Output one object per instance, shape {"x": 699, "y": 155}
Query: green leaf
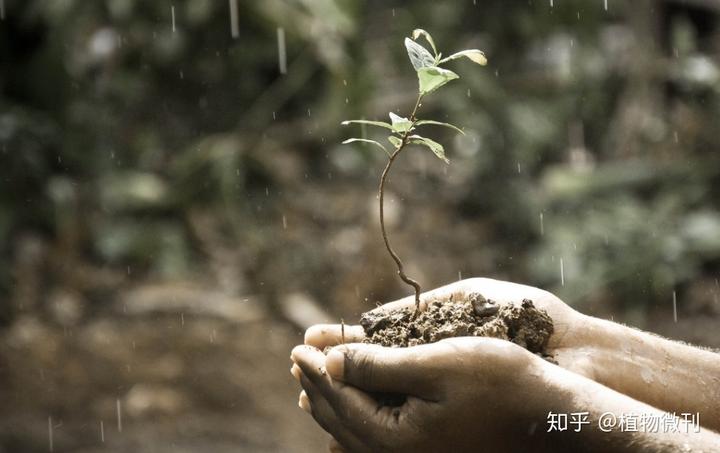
{"x": 434, "y": 146}
{"x": 438, "y": 123}
{"x": 419, "y": 56}
{"x": 395, "y": 141}
{"x": 362, "y": 140}
{"x": 420, "y": 32}
{"x": 431, "y": 78}
{"x": 400, "y": 124}
{"x": 371, "y": 123}
{"x": 473, "y": 54}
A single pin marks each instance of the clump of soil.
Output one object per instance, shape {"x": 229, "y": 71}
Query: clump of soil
{"x": 477, "y": 316}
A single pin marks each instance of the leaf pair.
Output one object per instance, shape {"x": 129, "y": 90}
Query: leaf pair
{"x": 402, "y": 127}
{"x": 400, "y": 124}
{"x": 434, "y": 146}
{"x": 430, "y": 75}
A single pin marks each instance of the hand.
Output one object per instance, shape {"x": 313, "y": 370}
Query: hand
{"x": 461, "y": 394}
{"x": 565, "y": 345}
{"x": 624, "y": 359}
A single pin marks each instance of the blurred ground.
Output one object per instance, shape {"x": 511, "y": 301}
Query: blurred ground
{"x": 183, "y": 381}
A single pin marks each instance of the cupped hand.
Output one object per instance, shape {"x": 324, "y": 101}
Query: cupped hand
{"x": 564, "y": 345}
{"x": 460, "y": 394}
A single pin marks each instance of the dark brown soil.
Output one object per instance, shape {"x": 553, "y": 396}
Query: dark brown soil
{"x": 477, "y": 316}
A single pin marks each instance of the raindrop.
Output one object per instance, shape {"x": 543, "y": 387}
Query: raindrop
{"x": 393, "y": 12}
{"x": 119, "y": 415}
{"x": 234, "y": 22}
{"x": 274, "y": 116}
{"x": 182, "y": 75}
{"x": 519, "y": 169}
{"x": 605, "y": 1}
{"x": 309, "y": 113}
{"x": 674, "y": 306}
{"x": 468, "y": 92}
{"x": 562, "y": 272}
{"x": 551, "y": 3}
{"x": 102, "y": 432}
{"x": 172, "y": 11}
{"x": 675, "y": 136}
{"x": 542, "y": 225}
{"x": 182, "y": 319}
{"x": 284, "y": 220}
{"x": 50, "y": 434}
{"x": 459, "y": 275}
{"x": 282, "y": 53}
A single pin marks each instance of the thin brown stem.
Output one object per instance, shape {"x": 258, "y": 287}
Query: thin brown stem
{"x": 381, "y": 196}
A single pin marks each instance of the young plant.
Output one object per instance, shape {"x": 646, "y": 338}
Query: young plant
{"x": 402, "y": 129}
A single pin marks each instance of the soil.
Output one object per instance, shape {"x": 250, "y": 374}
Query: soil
{"x": 523, "y": 324}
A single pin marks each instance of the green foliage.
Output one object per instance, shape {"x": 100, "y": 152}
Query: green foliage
{"x": 363, "y": 140}
{"x": 434, "y": 146}
{"x": 430, "y": 77}
{"x": 569, "y": 123}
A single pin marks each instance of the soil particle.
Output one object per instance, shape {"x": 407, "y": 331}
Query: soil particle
{"x": 477, "y": 316}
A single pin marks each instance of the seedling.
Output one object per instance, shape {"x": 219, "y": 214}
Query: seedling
{"x": 402, "y": 129}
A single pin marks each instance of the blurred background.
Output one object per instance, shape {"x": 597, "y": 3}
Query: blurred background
{"x": 175, "y": 207}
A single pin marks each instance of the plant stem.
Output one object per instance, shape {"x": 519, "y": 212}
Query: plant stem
{"x": 381, "y": 196}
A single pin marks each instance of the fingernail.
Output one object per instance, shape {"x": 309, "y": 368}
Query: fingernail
{"x": 335, "y": 363}
{"x": 295, "y": 371}
{"x": 304, "y": 402}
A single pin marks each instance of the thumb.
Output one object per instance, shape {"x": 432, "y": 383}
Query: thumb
{"x": 374, "y": 368}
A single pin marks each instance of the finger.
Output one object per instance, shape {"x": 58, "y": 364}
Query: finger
{"x": 324, "y": 335}
{"x": 355, "y": 418}
{"x": 304, "y": 402}
{"x": 357, "y": 404}
{"x": 325, "y": 416}
{"x": 295, "y": 371}
{"x": 373, "y": 368}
